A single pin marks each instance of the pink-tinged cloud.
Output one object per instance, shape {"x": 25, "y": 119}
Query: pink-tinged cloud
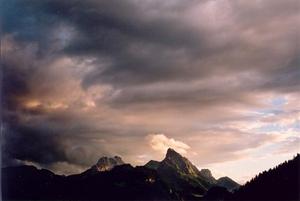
{"x": 204, "y": 77}
{"x": 161, "y": 143}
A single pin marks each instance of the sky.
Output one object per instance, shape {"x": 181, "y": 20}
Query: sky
{"x": 216, "y": 80}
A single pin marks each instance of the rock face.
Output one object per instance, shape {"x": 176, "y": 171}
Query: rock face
{"x": 180, "y": 163}
{"x": 185, "y": 179}
{"x": 181, "y": 176}
{"x": 105, "y": 163}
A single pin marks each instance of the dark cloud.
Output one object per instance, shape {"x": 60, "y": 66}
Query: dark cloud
{"x": 146, "y": 49}
{"x": 50, "y": 138}
{"x": 82, "y": 78}
{"x": 15, "y": 84}
{"x": 142, "y": 47}
{"x": 284, "y": 79}
{"x": 39, "y": 144}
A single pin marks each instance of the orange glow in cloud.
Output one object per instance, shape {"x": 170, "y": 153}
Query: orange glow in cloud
{"x": 32, "y": 104}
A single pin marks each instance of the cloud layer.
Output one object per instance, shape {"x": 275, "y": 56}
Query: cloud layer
{"x": 82, "y": 79}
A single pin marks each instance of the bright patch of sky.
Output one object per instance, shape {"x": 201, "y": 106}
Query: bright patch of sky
{"x": 279, "y": 101}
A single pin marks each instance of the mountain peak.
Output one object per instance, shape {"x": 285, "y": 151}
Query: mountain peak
{"x": 105, "y": 163}
{"x": 182, "y": 164}
{"x": 171, "y": 153}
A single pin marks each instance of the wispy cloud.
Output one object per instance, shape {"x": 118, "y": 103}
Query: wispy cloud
{"x": 160, "y": 142}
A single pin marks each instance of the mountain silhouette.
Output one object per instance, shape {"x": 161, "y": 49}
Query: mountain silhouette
{"x": 123, "y": 182}
{"x": 184, "y": 177}
{"x": 179, "y": 163}
{"x": 279, "y": 183}
{"x": 173, "y": 178}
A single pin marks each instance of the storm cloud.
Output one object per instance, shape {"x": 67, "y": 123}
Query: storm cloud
{"x": 82, "y": 79}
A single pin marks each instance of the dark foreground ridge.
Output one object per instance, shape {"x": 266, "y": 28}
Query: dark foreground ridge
{"x": 174, "y": 178}
{"x": 279, "y": 183}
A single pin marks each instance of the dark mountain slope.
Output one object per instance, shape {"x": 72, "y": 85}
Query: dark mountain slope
{"x": 174, "y": 178}
{"x": 152, "y": 164}
{"x": 29, "y": 183}
{"x": 217, "y": 193}
{"x": 121, "y": 183}
{"x": 279, "y": 183}
{"x": 183, "y": 177}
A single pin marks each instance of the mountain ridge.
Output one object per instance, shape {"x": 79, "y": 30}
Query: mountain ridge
{"x": 281, "y": 182}
{"x": 179, "y": 166}
{"x": 173, "y": 178}
{"x": 165, "y": 181}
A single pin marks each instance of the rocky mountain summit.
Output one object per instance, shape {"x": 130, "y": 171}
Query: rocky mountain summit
{"x": 106, "y": 163}
{"x": 179, "y": 163}
{"x": 184, "y": 177}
